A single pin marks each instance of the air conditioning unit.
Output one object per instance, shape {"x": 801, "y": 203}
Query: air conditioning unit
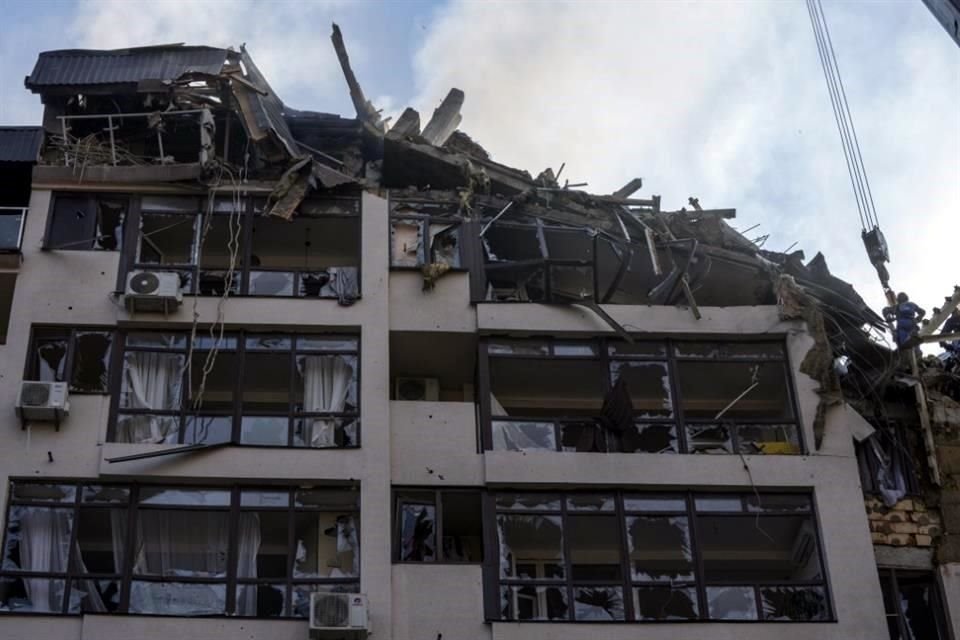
{"x": 422, "y": 389}
{"x": 42, "y": 401}
{"x": 339, "y": 612}
{"x": 157, "y": 291}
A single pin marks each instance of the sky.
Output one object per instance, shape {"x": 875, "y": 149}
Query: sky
{"x": 724, "y": 101}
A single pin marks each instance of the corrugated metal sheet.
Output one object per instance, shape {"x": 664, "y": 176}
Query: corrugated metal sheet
{"x": 20, "y": 144}
{"x": 269, "y": 108}
{"x": 73, "y": 67}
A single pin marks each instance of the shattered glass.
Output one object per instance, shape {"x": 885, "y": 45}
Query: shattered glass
{"x": 44, "y": 492}
{"x": 208, "y": 429}
{"x": 327, "y": 545}
{"x": 709, "y": 438}
{"x": 639, "y": 349}
{"x": 665, "y": 603}
{"x": 528, "y": 502}
{"x": 94, "y": 595}
{"x": 105, "y": 493}
{"x": 186, "y": 497}
{"x": 794, "y": 603}
{"x": 573, "y": 244}
{"x": 523, "y": 436}
{"x": 38, "y": 539}
{"x": 753, "y": 391}
{"x": 518, "y": 347}
{"x": 37, "y": 595}
{"x": 660, "y": 549}
{"x": 571, "y": 283}
{"x": 598, "y": 603}
{"x": 591, "y": 502}
{"x": 648, "y": 384}
{"x": 51, "y": 357}
{"x": 516, "y": 283}
{"x": 271, "y": 283}
{"x": 505, "y": 243}
{"x": 91, "y": 361}
{"x": 418, "y": 532}
{"x": 731, "y": 603}
{"x": 445, "y": 244}
{"x": 167, "y": 239}
{"x": 177, "y": 598}
{"x": 651, "y": 438}
{"x": 533, "y": 603}
{"x": 157, "y": 340}
{"x": 531, "y": 546}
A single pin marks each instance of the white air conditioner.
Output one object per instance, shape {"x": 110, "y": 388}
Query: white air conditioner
{"x": 157, "y": 291}
{"x": 339, "y": 612}
{"x": 42, "y": 401}
{"x": 418, "y": 389}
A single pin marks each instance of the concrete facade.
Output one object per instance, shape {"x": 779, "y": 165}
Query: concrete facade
{"x": 421, "y": 444}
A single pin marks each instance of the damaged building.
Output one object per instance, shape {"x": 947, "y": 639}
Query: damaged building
{"x": 276, "y": 373}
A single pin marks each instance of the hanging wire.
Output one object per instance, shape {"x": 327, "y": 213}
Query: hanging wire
{"x": 843, "y": 117}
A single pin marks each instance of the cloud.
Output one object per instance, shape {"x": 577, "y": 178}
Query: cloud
{"x": 288, "y": 40}
{"x": 727, "y": 102}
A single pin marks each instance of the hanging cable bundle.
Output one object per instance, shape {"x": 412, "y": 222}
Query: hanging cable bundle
{"x": 873, "y": 240}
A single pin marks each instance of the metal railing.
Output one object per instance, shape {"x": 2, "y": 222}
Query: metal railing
{"x": 204, "y": 118}
{"x": 11, "y": 228}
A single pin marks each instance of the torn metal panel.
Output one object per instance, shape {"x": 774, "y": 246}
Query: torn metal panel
{"x": 93, "y": 70}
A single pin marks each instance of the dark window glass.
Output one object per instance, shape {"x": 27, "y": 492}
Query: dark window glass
{"x": 81, "y": 222}
{"x": 85, "y": 353}
{"x": 441, "y": 526}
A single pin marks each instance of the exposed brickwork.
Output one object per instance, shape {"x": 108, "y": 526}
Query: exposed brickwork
{"x": 909, "y": 523}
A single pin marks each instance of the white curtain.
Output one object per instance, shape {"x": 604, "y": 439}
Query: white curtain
{"x": 248, "y": 548}
{"x": 44, "y": 546}
{"x": 151, "y": 381}
{"x": 326, "y": 383}
{"x": 180, "y": 543}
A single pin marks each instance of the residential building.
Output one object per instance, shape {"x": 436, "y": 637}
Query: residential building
{"x": 260, "y": 353}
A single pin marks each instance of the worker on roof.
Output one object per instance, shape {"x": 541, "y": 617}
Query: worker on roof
{"x": 952, "y": 325}
{"x": 908, "y": 315}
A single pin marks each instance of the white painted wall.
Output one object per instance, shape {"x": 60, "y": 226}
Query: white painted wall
{"x": 401, "y": 440}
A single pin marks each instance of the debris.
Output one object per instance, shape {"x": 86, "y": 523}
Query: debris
{"x": 445, "y": 119}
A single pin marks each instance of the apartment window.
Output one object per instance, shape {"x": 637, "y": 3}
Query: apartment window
{"x": 886, "y": 462}
{"x": 78, "y": 356}
{"x": 180, "y": 551}
{"x": 651, "y": 397}
{"x": 441, "y": 526}
{"x": 623, "y": 556}
{"x": 236, "y": 246}
{"x": 244, "y": 388}
{"x": 83, "y": 222}
{"x": 531, "y": 261}
{"x": 913, "y": 605}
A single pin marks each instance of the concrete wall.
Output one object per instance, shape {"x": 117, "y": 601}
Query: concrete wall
{"x": 404, "y": 441}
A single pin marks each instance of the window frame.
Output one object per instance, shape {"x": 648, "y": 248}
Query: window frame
{"x": 669, "y": 357}
{"x": 890, "y": 578}
{"x": 129, "y": 261}
{"x": 493, "y": 581}
{"x": 70, "y": 333}
{"x": 425, "y": 221}
{"x": 133, "y": 506}
{"x": 236, "y": 413}
{"x": 92, "y": 199}
{"x": 438, "y": 494}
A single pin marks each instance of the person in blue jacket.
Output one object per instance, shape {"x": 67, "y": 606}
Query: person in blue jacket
{"x": 908, "y": 315}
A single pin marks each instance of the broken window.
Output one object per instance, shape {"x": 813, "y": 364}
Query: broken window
{"x": 249, "y": 388}
{"x": 612, "y": 396}
{"x": 11, "y": 227}
{"x": 534, "y": 262}
{"x": 438, "y": 526}
{"x": 610, "y": 557}
{"x": 425, "y": 233}
{"x": 236, "y": 246}
{"x": 886, "y": 462}
{"x": 86, "y": 222}
{"x": 80, "y": 357}
{"x": 913, "y": 605}
{"x": 83, "y": 552}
